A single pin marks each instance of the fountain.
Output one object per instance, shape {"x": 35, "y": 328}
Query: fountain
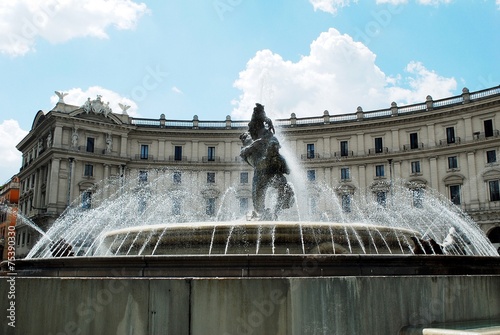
{"x": 340, "y": 269}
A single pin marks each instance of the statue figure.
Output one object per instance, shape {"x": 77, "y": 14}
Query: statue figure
{"x": 61, "y": 96}
{"x": 49, "y": 139}
{"x": 74, "y": 138}
{"x": 109, "y": 143}
{"x": 261, "y": 151}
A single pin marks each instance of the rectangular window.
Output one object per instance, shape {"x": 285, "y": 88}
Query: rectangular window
{"x": 210, "y": 209}
{"x": 310, "y": 150}
{"x": 413, "y": 141}
{"x": 344, "y": 174}
{"x": 418, "y": 197}
{"x": 88, "y": 170}
{"x": 311, "y": 175}
{"x": 143, "y": 176}
{"x": 90, "y": 144}
{"x": 450, "y": 135}
{"x": 210, "y": 177}
{"x": 346, "y": 203}
{"x": 211, "y": 154}
{"x": 379, "y": 170}
{"x": 452, "y": 162}
{"x": 415, "y": 167}
{"x": 86, "y": 199}
{"x": 177, "y": 177}
{"x": 244, "y": 178}
{"x": 144, "y": 151}
{"x": 243, "y": 205}
{"x": 455, "y": 194}
{"x": 378, "y": 145}
{"x": 491, "y": 156}
{"x": 344, "y": 148}
{"x": 381, "y": 198}
{"x": 488, "y": 128}
{"x": 494, "y": 190}
{"x": 178, "y": 153}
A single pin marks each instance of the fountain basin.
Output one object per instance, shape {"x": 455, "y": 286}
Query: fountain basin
{"x": 257, "y": 237}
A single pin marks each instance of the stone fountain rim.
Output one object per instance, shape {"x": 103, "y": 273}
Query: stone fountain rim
{"x": 254, "y": 224}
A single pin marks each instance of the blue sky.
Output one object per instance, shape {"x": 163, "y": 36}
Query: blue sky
{"x": 214, "y": 58}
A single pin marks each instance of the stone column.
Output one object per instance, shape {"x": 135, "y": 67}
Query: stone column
{"x": 38, "y": 189}
{"x": 57, "y": 138}
{"x": 326, "y": 147}
{"x": 431, "y": 137}
{"x": 194, "y": 154}
{"x": 396, "y": 165}
{"x": 472, "y": 197}
{"x": 227, "y": 180}
{"x": 434, "y": 173}
{"x": 53, "y": 185}
{"x": 395, "y": 140}
{"x": 361, "y": 144}
{"x": 161, "y": 149}
{"x": 227, "y": 151}
{"x": 328, "y": 176}
{"x": 362, "y": 176}
{"x": 71, "y": 164}
{"x": 123, "y": 146}
{"x": 468, "y": 127}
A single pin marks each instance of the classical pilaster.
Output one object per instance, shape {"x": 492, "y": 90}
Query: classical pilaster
{"x": 57, "y": 138}
{"x": 326, "y": 147}
{"x": 395, "y": 140}
{"x": 161, "y": 149}
{"x": 473, "y": 196}
{"x": 194, "y": 153}
{"x": 227, "y": 151}
{"x": 361, "y": 144}
{"x": 123, "y": 146}
{"x": 431, "y": 137}
{"x": 53, "y": 185}
{"x": 434, "y": 173}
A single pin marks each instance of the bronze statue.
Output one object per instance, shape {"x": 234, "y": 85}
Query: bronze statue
{"x": 261, "y": 151}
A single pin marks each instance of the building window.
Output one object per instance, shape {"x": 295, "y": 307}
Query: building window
{"x": 413, "y": 141}
{"x": 346, "y": 203}
{"x": 144, "y": 151}
{"x": 243, "y": 205}
{"x": 491, "y": 156}
{"x": 210, "y": 177}
{"x": 455, "y": 194}
{"x": 311, "y": 175}
{"x": 177, "y": 177}
{"x": 381, "y": 198}
{"x": 143, "y": 176}
{"x": 243, "y": 177}
{"x": 450, "y": 135}
{"x": 211, "y": 154}
{"x": 88, "y": 170}
{"x": 415, "y": 167}
{"x": 178, "y": 153}
{"x": 344, "y": 174}
{"x": 452, "y": 162}
{"x": 488, "y": 128}
{"x": 344, "y": 148}
{"x": 90, "y": 144}
{"x": 379, "y": 170}
{"x": 210, "y": 209}
{"x": 86, "y": 199}
{"x": 176, "y": 206}
{"x": 310, "y": 150}
{"x": 378, "y": 145}
{"x": 494, "y": 190}
{"x": 418, "y": 197}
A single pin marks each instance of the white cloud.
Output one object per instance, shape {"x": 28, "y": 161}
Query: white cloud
{"x": 433, "y": 2}
{"x": 22, "y": 22}
{"x": 392, "y": 2}
{"x": 77, "y": 97}
{"x": 176, "y": 90}
{"x": 330, "y": 6}
{"x": 11, "y": 134}
{"x": 339, "y": 74}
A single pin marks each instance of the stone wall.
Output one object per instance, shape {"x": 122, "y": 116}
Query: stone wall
{"x": 301, "y": 305}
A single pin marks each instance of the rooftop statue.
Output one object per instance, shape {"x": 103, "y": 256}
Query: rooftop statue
{"x": 261, "y": 151}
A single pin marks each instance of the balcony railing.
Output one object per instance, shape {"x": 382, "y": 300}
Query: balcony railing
{"x": 482, "y": 135}
{"x": 209, "y": 159}
{"x": 348, "y": 153}
{"x": 310, "y": 156}
{"x": 447, "y": 141}
{"x": 140, "y": 157}
{"x": 177, "y": 159}
{"x": 407, "y": 147}
{"x": 378, "y": 151}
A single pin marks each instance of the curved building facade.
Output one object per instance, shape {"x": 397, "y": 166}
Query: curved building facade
{"x": 449, "y": 145}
